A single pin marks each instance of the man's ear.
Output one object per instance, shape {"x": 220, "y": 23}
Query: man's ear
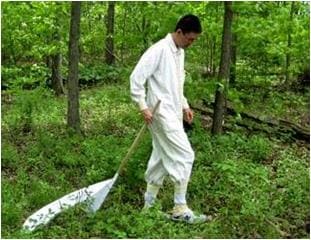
{"x": 179, "y": 31}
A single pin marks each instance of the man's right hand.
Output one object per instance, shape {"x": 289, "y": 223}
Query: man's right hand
{"x": 147, "y": 115}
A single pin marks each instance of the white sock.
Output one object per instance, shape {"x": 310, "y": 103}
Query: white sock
{"x": 180, "y": 191}
{"x": 151, "y": 194}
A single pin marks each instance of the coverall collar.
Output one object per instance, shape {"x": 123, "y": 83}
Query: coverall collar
{"x": 171, "y": 43}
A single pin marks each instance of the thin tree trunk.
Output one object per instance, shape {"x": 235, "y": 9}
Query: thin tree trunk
{"x": 57, "y": 80}
{"x": 214, "y": 43}
{"x": 233, "y": 59}
{"x": 13, "y": 53}
{"x": 206, "y": 45}
{"x": 48, "y": 61}
{"x": 144, "y": 27}
{"x": 123, "y": 33}
{"x": 110, "y": 59}
{"x": 224, "y": 70}
{"x": 289, "y": 44}
{"x": 73, "y": 116}
{"x": 213, "y": 56}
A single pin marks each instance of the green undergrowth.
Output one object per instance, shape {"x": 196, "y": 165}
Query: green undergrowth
{"x": 264, "y": 101}
{"x": 252, "y": 186}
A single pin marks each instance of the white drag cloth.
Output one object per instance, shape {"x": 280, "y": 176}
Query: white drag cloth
{"x": 162, "y": 67}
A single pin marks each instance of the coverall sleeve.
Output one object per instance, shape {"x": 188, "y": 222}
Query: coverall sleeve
{"x": 185, "y": 104}
{"x": 145, "y": 67}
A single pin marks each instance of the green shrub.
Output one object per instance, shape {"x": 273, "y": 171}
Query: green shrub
{"x": 12, "y": 210}
{"x": 27, "y": 76}
{"x": 291, "y": 200}
{"x": 9, "y": 156}
{"x": 258, "y": 148}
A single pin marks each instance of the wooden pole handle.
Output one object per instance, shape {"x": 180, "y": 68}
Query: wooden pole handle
{"x": 136, "y": 141}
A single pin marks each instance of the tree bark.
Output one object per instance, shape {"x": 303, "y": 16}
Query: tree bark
{"x": 144, "y": 31}
{"x": 289, "y": 44}
{"x": 224, "y": 70}
{"x": 123, "y": 33}
{"x": 13, "y": 53}
{"x": 213, "y": 57}
{"x": 110, "y": 59}
{"x": 57, "y": 80}
{"x": 208, "y": 56}
{"x": 233, "y": 59}
{"x": 48, "y": 61}
{"x": 212, "y": 68}
{"x": 73, "y": 116}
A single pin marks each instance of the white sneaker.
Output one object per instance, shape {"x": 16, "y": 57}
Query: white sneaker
{"x": 183, "y": 213}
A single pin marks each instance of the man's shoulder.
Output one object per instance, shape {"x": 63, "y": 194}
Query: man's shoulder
{"x": 160, "y": 44}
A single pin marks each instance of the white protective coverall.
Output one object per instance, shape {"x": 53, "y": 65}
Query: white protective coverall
{"x": 162, "y": 67}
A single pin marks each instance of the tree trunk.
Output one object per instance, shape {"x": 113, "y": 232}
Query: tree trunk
{"x": 110, "y": 59}
{"x": 206, "y": 72}
{"x": 57, "y": 80}
{"x": 144, "y": 31}
{"x": 123, "y": 33}
{"x": 233, "y": 59}
{"x": 224, "y": 70}
{"x": 211, "y": 62}
{"x": 48, "y": 61}
{"x": 13, "y": 53}
{"x": 73, "y": 116}
{"x": 213, "y": 56}
{"x": 214, "y": 42}
{"x": 289, "y": 44}
{"x": 208, "y": 50}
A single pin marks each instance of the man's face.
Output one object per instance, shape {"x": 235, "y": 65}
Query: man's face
{"x": 186, "y": 39}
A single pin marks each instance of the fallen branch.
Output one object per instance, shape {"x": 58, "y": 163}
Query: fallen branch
{"x": 277, "y": 126}
{"x": 276, "y": 227}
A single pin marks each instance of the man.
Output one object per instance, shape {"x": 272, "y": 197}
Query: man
{"x": 162, "y": 67}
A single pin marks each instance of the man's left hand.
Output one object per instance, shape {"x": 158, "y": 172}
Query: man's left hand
{"x": 188, "y": 115}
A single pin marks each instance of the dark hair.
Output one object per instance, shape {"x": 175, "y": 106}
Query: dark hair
{"x": 189, "y": 23}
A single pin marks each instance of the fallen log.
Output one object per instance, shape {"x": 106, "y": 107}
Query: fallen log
{"x": 253, "y": 122}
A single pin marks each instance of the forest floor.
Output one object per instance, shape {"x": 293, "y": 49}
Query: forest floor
{"x": 254, "y": 185}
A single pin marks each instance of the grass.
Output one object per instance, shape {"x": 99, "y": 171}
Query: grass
{"x": 252, "y": 185}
